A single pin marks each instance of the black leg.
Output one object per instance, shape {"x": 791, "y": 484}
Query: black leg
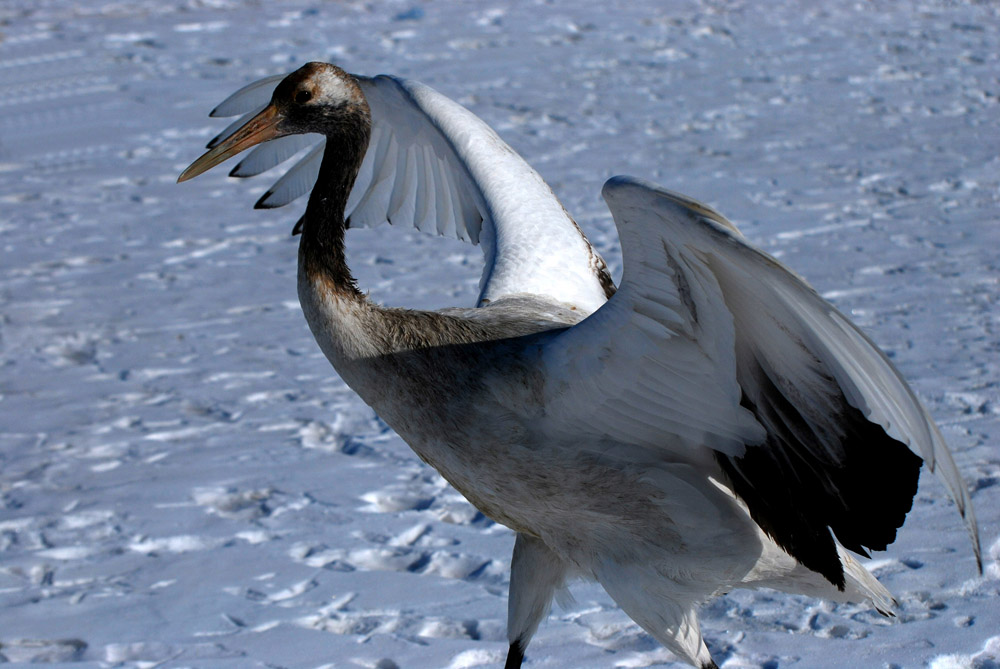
{"x": 514, "y": 656}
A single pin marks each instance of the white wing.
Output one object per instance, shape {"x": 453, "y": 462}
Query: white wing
{"x": 709, "y": 341}
{"x": 433, "y": 164}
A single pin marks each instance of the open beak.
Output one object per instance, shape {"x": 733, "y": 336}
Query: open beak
{"x": 260, "y": 128}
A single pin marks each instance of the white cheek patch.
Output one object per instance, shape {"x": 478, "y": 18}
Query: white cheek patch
{"x": 334, "y": 89}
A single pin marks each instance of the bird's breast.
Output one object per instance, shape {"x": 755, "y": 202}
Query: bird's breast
{"x": 474, "y": 411}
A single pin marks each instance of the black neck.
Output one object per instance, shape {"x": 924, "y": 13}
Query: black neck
{"x": 322, "y": 245}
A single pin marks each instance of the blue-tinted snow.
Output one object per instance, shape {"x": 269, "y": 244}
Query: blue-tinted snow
{"x": 184, "y": 481}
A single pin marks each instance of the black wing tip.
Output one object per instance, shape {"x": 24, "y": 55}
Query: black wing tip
{"x": 238, "y": 171}
{"x": 802, "y": 497}
{"x": 973, "y": 528}
{"x": 262, "y": 203}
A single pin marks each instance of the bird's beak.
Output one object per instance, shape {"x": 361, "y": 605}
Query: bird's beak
{"x": 260, "y": 128}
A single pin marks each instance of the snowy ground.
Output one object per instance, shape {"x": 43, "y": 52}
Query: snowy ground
{"x": 184, "y": 482}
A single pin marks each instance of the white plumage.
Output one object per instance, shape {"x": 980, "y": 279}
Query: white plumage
{"x": 711, "y": 424}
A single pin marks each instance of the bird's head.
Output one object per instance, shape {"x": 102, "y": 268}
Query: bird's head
{"x": 317, "y": 97}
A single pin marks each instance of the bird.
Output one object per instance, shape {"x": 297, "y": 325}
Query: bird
{"x": 709, "y": 423}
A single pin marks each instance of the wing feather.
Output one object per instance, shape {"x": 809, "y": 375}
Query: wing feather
{"x": 660, "y": 349}
{"x": 373, "y": 187}
{"x": 424, "y": 214}
{"x": 711, "y": 342}
{"x": 270, "y": 154}
{"x": 434, "y": 165}
{"x": 404, "y": 190}
{"x": 254, "y": 95}
{"x": 447, "y": 201}
{"x": 296, "y": 182}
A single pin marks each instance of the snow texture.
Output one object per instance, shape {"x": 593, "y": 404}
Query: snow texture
{"x": 185, "y": 482}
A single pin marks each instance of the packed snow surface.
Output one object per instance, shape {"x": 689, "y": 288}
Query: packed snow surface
{"x": 184, "y": 480}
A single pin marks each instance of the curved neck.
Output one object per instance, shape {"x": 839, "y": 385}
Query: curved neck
{"x": 322, "y": 246}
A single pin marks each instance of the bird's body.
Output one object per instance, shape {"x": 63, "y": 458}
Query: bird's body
{"x": 705, "y": 427}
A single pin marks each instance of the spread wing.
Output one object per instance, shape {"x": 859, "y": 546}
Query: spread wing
{"x": 434, "y": 165}
{"x": 711, "y": 342}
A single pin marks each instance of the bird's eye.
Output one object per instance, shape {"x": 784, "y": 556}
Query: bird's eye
{"x": 303, "y": 97}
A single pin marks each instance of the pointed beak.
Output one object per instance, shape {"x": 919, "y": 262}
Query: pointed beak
{"x": 260, "y": 128}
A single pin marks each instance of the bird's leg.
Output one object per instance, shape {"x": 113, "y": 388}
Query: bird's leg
{"x": 535, "y": 575}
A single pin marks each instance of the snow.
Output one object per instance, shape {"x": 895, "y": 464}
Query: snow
{"x": 184, "y": 481}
